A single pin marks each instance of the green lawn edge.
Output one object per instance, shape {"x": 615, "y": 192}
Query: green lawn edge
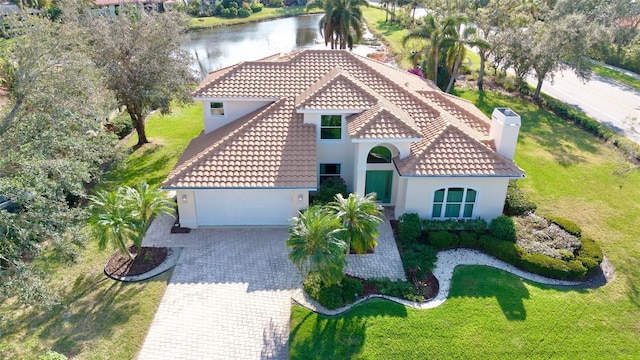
{"x": 616, "y": 76}
{"x": 267, "y": 13}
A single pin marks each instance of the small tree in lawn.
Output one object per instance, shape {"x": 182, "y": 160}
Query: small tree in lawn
{"x": 123, "y": 216}
{"x": 360, "y": 217}
{"x": 316, "y": 244}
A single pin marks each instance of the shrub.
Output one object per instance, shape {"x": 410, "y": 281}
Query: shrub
{"x": 351, "y": 289}
{"x": 217, "y": 11}
{"x": 329, "y": 189}
{"x": 330, "y": 296}
{"x": 276, "y": 3}
{"x": 429, "y": 226}
{"x": 503, "y": 228}
{"x": 312, "y": 285}
{"x": 503, "y": 250}
{"x": 226, "y": 13}
{"x": 590, "y": 254}
{"x": 551, "y": 267}
{"x": 399, "y": 289}
{"x": 444, "y": 239}
{"x": 420, "y": 257}
{"x": 567, "y": 225}
{"x": 244, "y": 12}
{"x": 468, "y": 239}
{"x": 121, "y": 125}
{"x": 477, "y": 226}
{"x": 409, "y": 227}
{"x": 256, "y": 7}
{"x": 516, "y": 202}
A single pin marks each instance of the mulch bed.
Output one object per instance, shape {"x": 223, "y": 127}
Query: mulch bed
{"x": 430, "y": 282}
{"x": 120, "y": 265}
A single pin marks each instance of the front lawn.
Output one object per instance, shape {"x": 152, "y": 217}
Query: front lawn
{"x": 492, "y": 314}
{"x": 99, "y": 318}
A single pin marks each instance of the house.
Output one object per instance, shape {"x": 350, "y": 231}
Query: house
{"x": 275, "y": 128}
{"x": 113, "y": 6}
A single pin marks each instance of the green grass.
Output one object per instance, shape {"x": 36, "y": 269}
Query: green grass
{"x": 616, "y": 75}
{"x": 265, "y": 14}
{"x": 492, "y": 314}
{"x": 99, "y": 318}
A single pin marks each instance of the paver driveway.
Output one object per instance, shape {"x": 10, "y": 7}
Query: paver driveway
{"x": 229, "y": 296}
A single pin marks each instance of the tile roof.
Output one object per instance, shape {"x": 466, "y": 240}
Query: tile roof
{"x": 336, "y": 90}
{"x": 273, "y": 148}
{"x": 268, "y": 148}
{"x": 454, "y": 153}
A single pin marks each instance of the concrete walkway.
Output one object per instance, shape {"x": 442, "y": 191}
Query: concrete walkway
{"x": 230, "y": 293}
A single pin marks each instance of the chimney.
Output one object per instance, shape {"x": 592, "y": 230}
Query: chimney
{"x": 505, "y": 126}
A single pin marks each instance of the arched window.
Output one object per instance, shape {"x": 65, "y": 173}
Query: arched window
{"x": 379, "y": 155}
{"x": 454, "y": 202}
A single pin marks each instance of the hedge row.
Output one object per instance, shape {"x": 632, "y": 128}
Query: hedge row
{"x": 334, "y": 296}
{"x": 499, "y": 243}
{"x": 629, "y": 148}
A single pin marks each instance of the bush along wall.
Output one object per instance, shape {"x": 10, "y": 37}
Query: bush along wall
{"x": 499, "y": 240}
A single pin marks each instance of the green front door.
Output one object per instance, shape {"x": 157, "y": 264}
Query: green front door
{"x": 379, "y": 182}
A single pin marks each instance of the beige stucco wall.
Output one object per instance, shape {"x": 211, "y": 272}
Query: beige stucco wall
{"x": 418, "y": 196}
{"x": 232, "y": 110}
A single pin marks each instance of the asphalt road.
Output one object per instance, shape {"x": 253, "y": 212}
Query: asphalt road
{"x": 605, "y": 100}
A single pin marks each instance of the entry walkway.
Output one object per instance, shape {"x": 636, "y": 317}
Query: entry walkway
{"x": 230, "y": 293}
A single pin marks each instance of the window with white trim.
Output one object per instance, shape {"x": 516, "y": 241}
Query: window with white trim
{"x": 454, "y": 202}
{"x": 217, "y": 108}
{"x": 331, "y": 127}
{"x": 328, "y": 171}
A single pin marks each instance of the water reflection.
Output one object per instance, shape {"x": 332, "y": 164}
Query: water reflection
{"x": 216, "y": 48}
{"x": 213, "y": 49}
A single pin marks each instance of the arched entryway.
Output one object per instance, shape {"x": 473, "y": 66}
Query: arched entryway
{"x": 379, "y": 178}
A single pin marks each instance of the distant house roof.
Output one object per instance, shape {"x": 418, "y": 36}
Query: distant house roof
{"x": 13, "y": 9}
{"x": 120, "y": 2}
{"x": 273, "y": 148}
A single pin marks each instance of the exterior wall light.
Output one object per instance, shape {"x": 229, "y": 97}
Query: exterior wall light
{"x": 184, "y": 198}
{"x": 300, "y": 197}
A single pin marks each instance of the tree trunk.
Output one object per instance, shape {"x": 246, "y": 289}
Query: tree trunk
{"x": 454, "y": 73}
{"x": 481, "y": 71}
{"x": 138, "y": 123}
{"x": 536, "y": 94}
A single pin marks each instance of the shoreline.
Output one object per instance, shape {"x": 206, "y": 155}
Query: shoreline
{"x": 222, "y": 22}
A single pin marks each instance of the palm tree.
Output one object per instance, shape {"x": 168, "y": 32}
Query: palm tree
{"x": 440, "y": 35}
{"x": 466, "y": 37}
{"x": 146, "y": 202}
{"x": 317, "y": 245}
{"x": 113, "y": 222}
{"x": 341, "y": 25}
{"x": 123, "y": 215}
{"x": 360, "y": 217}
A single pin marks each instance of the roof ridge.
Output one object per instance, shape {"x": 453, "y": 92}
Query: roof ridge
{"x": 227, "y": 131}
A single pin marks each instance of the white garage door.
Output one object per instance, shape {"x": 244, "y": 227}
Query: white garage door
{"x": 243, "y": 207}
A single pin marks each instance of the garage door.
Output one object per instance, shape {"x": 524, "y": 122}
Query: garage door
{"x": 243, "y": 207}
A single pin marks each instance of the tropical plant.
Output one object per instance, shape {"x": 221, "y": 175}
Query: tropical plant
{"x": 360, "y": 217}
{"x": 123, "y": 215}
{"x": 465, "y": 37}
{"x": 341, "y": 25}
{"x": 440, "y": 34}
{"x": 316, "y": 244}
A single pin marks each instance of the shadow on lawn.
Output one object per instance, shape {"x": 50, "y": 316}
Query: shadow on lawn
{"x": 509, "y": 290}
{"x": 339, "y": 337}
{"x": 555, "y": 135}
{"x": 144, "y": 165}
{"x": 96, "y": 307}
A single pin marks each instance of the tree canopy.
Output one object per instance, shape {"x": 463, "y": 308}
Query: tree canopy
{"x": 140, "y": 56}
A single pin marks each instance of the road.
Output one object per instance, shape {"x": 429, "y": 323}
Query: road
{"x": 605, "y": 100}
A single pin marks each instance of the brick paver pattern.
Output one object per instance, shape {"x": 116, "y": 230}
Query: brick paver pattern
{"x": 230, "y": 294}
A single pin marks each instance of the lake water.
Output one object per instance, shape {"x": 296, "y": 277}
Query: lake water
{"x": 216, "y": 48}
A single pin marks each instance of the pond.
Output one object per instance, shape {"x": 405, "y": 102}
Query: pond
{"x": 216, "y": 48}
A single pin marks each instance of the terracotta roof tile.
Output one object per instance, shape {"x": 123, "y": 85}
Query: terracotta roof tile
{"x": 336, "y": 90}
{"x": 454, "y": 153}
{"x": 267, "y": 148}
{"x": 382, "y": 122}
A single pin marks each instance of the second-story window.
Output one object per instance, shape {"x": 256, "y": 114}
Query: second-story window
{"x": 331, "y": 127}
{"x": 217, "y": 108}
